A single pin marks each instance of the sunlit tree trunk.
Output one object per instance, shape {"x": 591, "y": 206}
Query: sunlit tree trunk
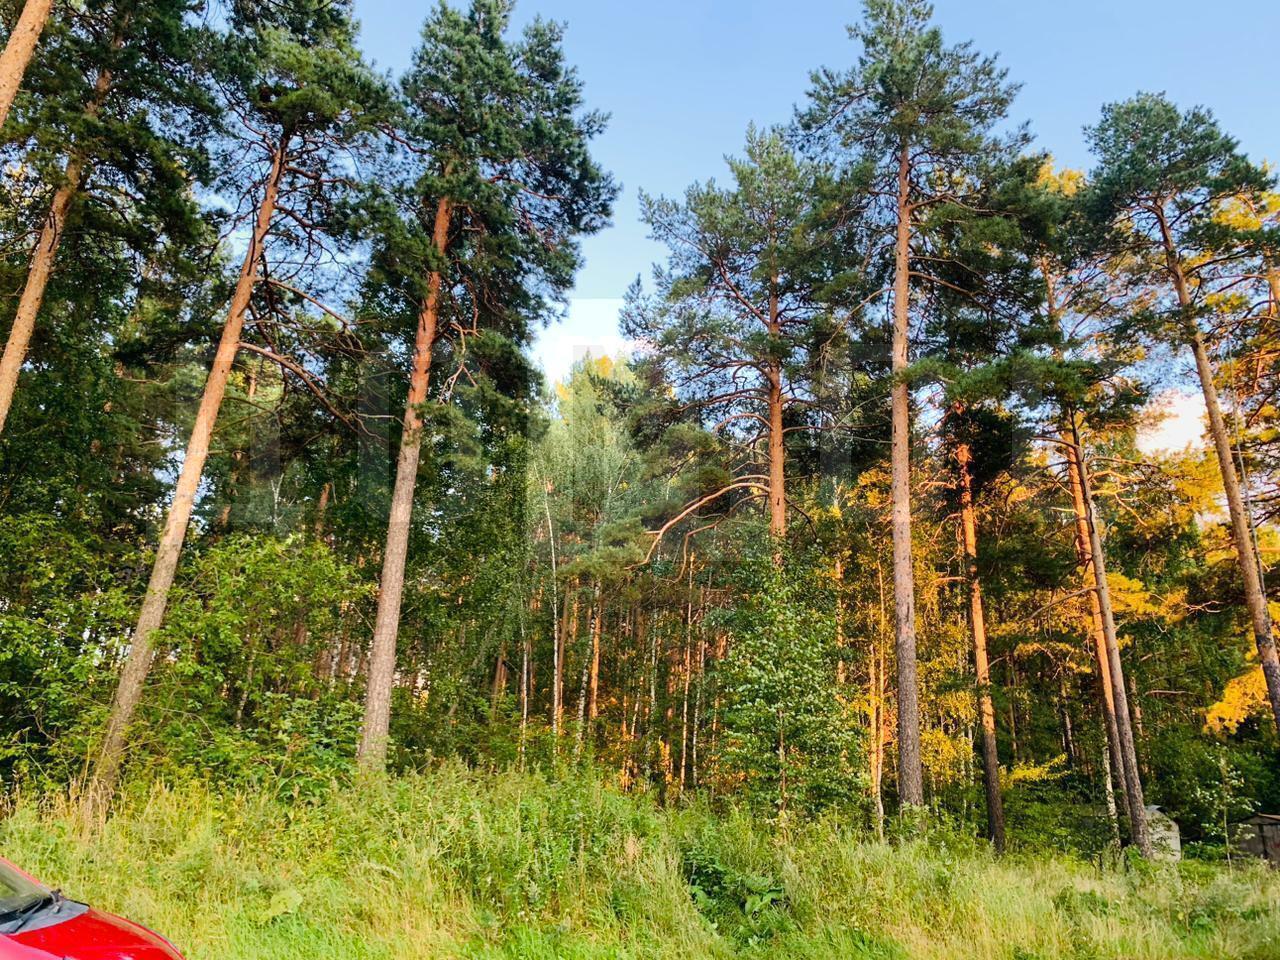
{"x": 1124, "y": 727}
{"x": 17, "y": 52}
{"x": 593, "y": 687}
{"x": 129, "y": 691}
{"x": 372, "y": 752}
{"x": 687, "y": 670}
{"x": 876, "y": 691}
{"x": 777, "y": 440}
{"x": 1084, "y": 555}
{"x": 44, "y": 255}
{"x": 910, "y": 772}
{"x": 978, "y": 626}
{"x": 1242, "y": 535}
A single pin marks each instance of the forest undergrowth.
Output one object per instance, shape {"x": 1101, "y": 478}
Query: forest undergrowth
{"x": 462, "y": 864}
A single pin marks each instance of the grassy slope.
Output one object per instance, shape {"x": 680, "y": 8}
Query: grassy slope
{"x": 455, "y": 864}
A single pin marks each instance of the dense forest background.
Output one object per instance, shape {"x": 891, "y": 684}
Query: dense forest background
{"x": 863, "y": 528}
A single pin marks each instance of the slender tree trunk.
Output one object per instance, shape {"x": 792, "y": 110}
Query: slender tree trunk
{"x": 777, "y": 438}
{"x": 17, "y": 52}
{"x": 524, "y": 686}
{"x": 777, "y": 458}
{"x": 910, "y": 772}
{"x": 129, "y": 691}
{"x": 697, "y": 698}
{"x": 597, "y": 635}
{"x": 45, "y": 254}
{"x": 1108, "y": 762}
{"x": 1084, "y": 554}
{"x": 876, "y": 690}
{"x": 588, "y": 660}
{"x": 1242, "y": 534}
{"x": 238, "y": 456}
{"x": 372, "y": 752}
{"x": 842, "y": 667}
{"x": 555, "y": 615}
{"x": 568, "y": 635}
{"x": 499, "y": 679}
{"x": 1068, "y": 731}
{"x": 1124, "y": 728}
{"x": 687, "y": 669}
{"x": 978, "y": 624}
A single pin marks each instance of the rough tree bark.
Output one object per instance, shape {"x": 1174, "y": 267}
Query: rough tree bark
{"x": 17, "y": 52}
{"x": 982, "y": 669}
{"x": 106, "y": 770}
{"x": 44, "y": 255}
{"x": 372, "y": 753}
{"x": 1255, "y": 596}
{"x": 910, "y": 772}
{"x": 1124, "y": 727}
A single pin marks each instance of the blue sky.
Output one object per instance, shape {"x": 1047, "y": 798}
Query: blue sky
{"x": 683, "y": 79}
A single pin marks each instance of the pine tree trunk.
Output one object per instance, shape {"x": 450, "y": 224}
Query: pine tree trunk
{"x": 910, "y": 772}
{"x": 44, "y": 255}
{"x": 17, "y": 52}
{"x": 687, "y": 670}
{"x": 1124, "y": 727}
{"x": 1241, "y": 530}
{"x": 777, "y": 459}
{"x": 129, "y": 692}
{"x": 372, "y": 752}
{"x": 1242, "y": 534}
{"x": 777, "y": 444}
{"x": 877, "y": 692}
{"x": 982, "y": 669}
{"x": 1084, "y": 555}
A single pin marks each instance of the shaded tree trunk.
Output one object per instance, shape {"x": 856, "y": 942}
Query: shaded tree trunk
{"x": 910, "y": 772}
{"x": 372, "y": 752}
{"x": 129, "y": 691}
{"x": 982, "y": 669}
{"x": 17, "y": 52}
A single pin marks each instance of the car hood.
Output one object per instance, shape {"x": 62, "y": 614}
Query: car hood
{"x": 90, "y": 936}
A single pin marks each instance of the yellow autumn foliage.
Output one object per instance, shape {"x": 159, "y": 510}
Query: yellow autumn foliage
{"x": 1244, "y": 696}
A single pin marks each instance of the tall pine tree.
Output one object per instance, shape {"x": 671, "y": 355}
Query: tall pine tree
{"x": 483, "y": 236}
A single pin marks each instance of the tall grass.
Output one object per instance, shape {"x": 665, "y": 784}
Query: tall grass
{"x": 467, "y": 865}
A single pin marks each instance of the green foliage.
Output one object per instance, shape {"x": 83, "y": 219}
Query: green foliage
{"x": 787, "y": 735}
{"x": 454, "y": 863}
{"x": 63, "y": 603}
{"x": 243, "y": 693}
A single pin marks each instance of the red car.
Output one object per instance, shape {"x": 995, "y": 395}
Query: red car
{"x": 37, "y": 923}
